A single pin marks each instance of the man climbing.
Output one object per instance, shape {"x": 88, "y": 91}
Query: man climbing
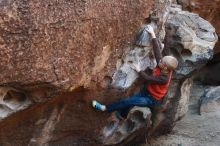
{"x": 157, "y": 85}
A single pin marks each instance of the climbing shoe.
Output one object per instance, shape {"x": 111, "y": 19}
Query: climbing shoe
{"x": 97, "y": 105}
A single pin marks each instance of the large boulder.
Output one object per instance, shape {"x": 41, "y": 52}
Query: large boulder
{"x": 192, "y": 43}
{"x": 63, "y": 120}
{"x": 66, "y": 43}
{"x": 191, "y": 39}
{"x": 174, "y": 107}
{"x": 132, "y": 128}
{"x": 49, "y": 35}
{"x": 142, "y": 50}
{"x": 207, "y": 10}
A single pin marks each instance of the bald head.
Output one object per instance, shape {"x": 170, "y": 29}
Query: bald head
{"x": 170, "y": 61}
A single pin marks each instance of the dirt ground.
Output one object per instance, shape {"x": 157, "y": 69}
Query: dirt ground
{"x": 194, "y": 129}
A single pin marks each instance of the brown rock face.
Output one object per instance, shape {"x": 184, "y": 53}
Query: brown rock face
{"x": 66, "y": 120}
{"x": 66, "y": 43}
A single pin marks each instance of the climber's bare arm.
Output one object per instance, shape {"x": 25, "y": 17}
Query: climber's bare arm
{"x": 161, "y": 79}
{"x": 156, "y": 46}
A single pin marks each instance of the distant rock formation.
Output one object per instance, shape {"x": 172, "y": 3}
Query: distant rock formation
{"x": 210, "y": 100}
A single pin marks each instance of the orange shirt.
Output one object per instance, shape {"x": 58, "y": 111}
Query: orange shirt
{"x": 158, "y": 90}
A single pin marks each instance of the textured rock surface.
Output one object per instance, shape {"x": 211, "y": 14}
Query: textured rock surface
{"x": 78, "y": 43}
{"x": 59, "y": 121}
{"x": 142, "y": 51}
{"x": 66, "y": 43}
{"x": 183, "y": 96}
{"x": 177, "y": 98}
{"x": 12, "y": 100}
{"x": 191, "y": 39}
{"x": 210, "y": 100}
{"x": 68, "y": 119}
{"x": 206, "y": 9}
{"x": 139, "y": 119}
